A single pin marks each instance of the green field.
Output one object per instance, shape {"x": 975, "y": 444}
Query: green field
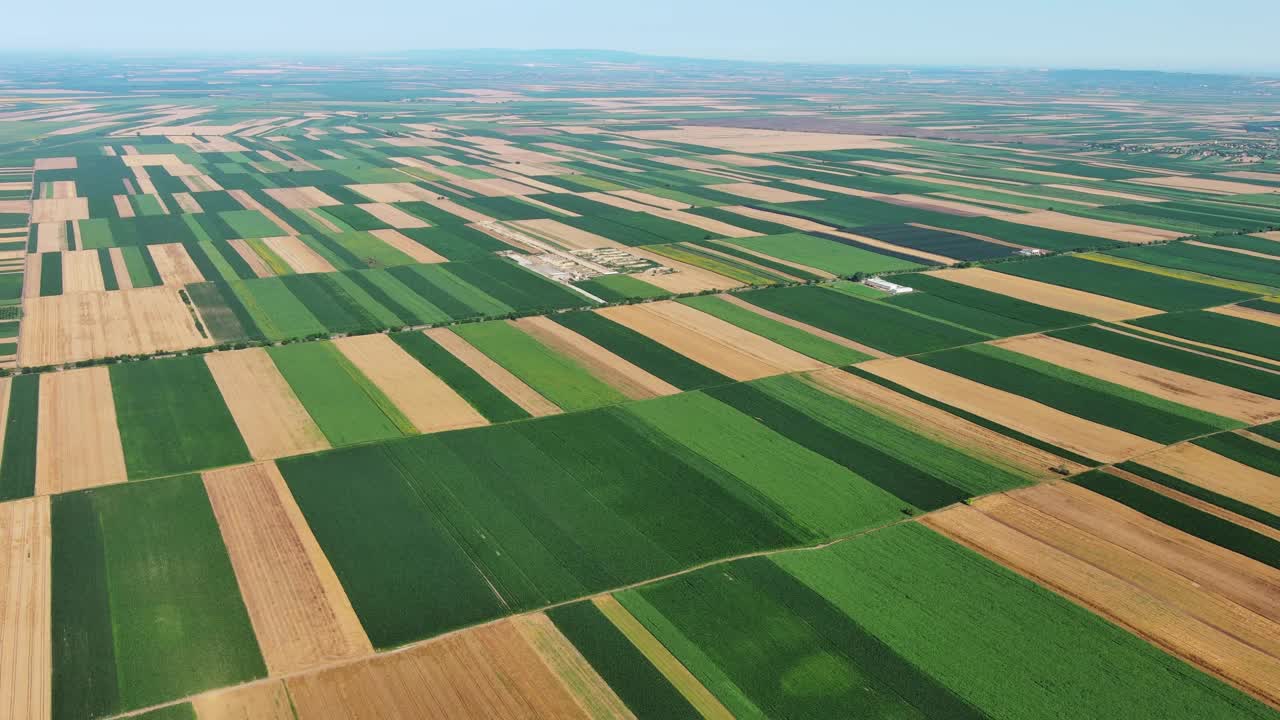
{"x": 879, "y": 325}
{"x": 803, "y": 342}
{"x": 146, "y": 607}
{"x": 345, "y": 405}
{"x": 1135, "y": 286}
{"x": 823, "y": 254}
{"x": 172, "y": 418}
{"x": 485, "y": 398}
{"x": 18, "y": 461}
{"x": 998, "y": 641}
{"x": 555, "y": 377}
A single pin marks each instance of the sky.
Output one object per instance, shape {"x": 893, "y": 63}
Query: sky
{"x": 1224, "y": 35}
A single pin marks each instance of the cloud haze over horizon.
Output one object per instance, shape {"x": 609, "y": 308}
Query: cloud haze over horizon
{"x": 1140, "y": 34}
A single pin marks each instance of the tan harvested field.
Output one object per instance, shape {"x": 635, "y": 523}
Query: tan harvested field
{"x": 1252, "y": 175}
{"x": 485, "y": 673}
{"x": 763, "y": 193}
{"x": 25, "y": 636}
{"x": 1190, "y": 391}
{"x": 591, "y": 691}
{"x": 1054, "y": 296}
{"x": 392, "y": 192}
{"x": 51, "y": 237}
{"x": 300, "y": 197}
{"x": 255, "y": 261}
{"x": 81, "y": 271}
{"x": 416, "y": 251}
{"x": 632, "y": 381}
{"x": 299, "y": 611}
{"x": 31, "y": 277}
{"x": 17, "y": 207}
{"x": 650, "y": 199}
{"x": 123, "y": 208}
{"x": 270, "y": 417}
{"x": 1106, "y": 193}
{"x": 1122, "y": 232}
{"x": 687, "y": 278}
{"x": 493, "y": 373}
{"x": 78, "y": 442}
{"x": 1220, "y": 474}
{"x": 393, "y": 216}
{"x": 1205, "y": 185}
{"x": 1040, "y": 421}
{"x": 1254, "y": 314}
{"x": 61, "y": 189}
{"x": 1146, "y": 596}
{"x": 492, "y": 187}
{"x": 56, "y": 163}
{"x": 1244, "y": 581}
{"x": 788, "y": 220}
{"x": 67, "y": 328}
{"x": 429, "y": 403}
{"x": 565, "y": 235}
{"x": 617, "y": 201}
{"x": 136, "y": 161}
{"x": 298, "y": 254}
{"x": 120, "y": 268}
{"x": 260, "y": 701}
{"x": 49, "y": 210}
{"x": 711, "y": 225}
{"x": 939, "y": 424}
{"x": 1274, "y": 235}
{"x": 176, "y": 267}
{"x": 187, "y": 203}
{"x": 744, "y": 140}
{"x": 708, "y": 340}
{"x": 461, "y": 211}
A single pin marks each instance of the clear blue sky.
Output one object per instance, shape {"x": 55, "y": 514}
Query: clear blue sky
{"x": 1152, "y": 34}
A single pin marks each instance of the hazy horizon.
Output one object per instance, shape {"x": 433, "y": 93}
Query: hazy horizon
{"x": 1088, "y": 34}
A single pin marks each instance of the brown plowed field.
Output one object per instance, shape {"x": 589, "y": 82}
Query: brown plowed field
{"x": 260, "y": 701}
{"x": 1220, "y": 474}
{"x": 1191, "y": 391}
{"x": 25, "y": 639}
{"x": 485, "y": 673}
{"x": 300, "y": 613}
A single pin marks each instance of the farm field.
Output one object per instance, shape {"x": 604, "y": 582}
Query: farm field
{"x": 622, "y": 387}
